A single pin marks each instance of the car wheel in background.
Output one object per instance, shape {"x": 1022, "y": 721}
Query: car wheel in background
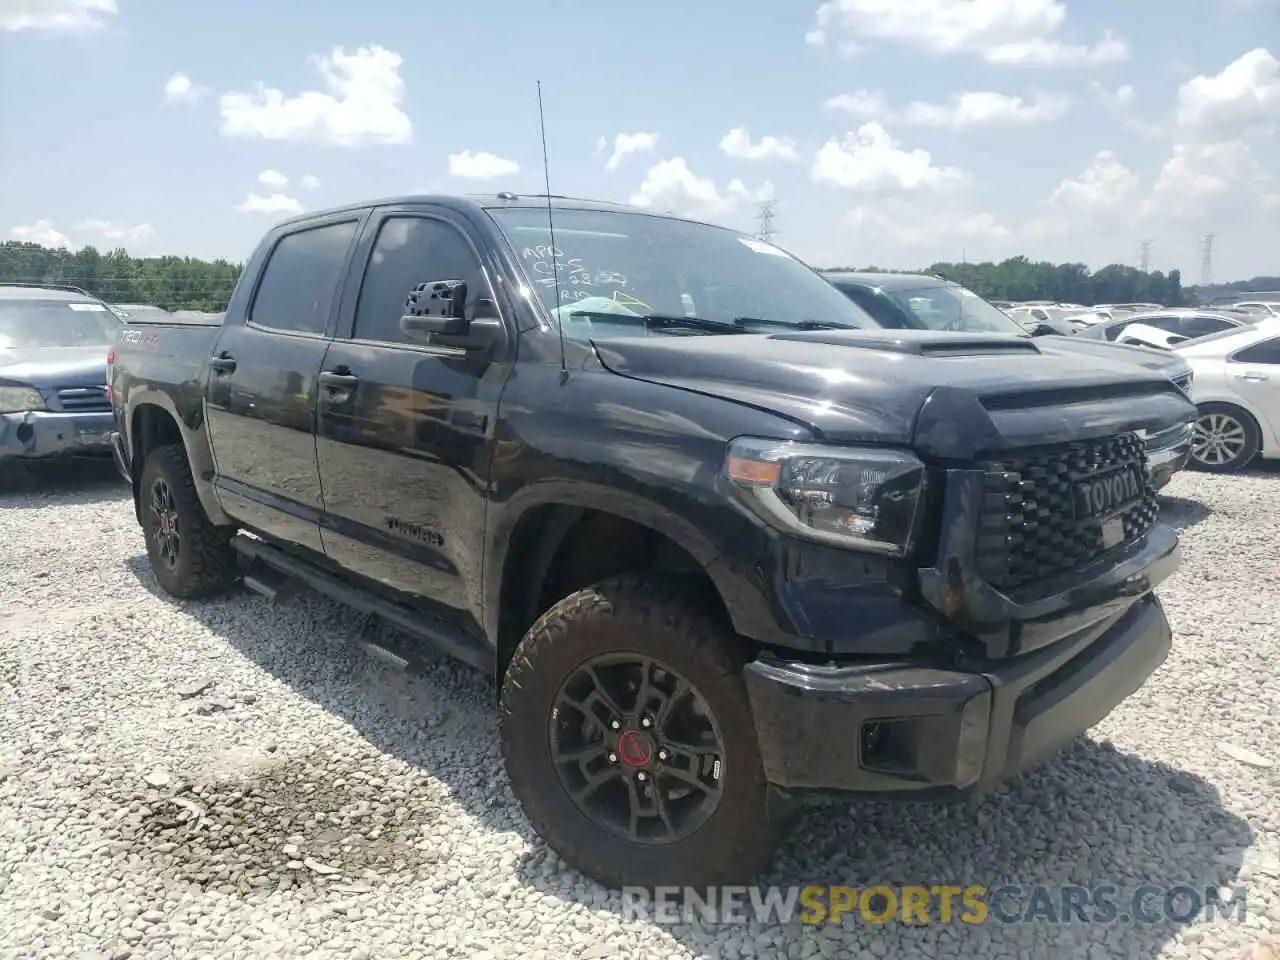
{"x": 1225, "y": 439}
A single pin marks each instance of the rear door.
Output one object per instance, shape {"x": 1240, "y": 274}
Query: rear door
{"x": 404, "y": 428}
{"x": 1254, "y": 373}
{"x": 261, "y": 389}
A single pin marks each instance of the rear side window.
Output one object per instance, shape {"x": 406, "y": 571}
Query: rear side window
{"x": 1268, "y": 351}
{"x": 302, "y": 273}
{"x": 881, "y": 312}
{"x": 1168, "y": 324}
{"x": 1203, "y": 326}
{"x": 409, "y": 251}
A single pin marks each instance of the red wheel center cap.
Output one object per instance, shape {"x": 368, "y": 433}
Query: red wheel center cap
{"x": 635, "y": 747}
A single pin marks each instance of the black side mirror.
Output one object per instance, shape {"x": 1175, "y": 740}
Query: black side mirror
{"x": 1043, "y": 330}
{"x": 436, "y": 307}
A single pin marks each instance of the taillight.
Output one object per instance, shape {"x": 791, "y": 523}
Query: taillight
{"x": 111, "y": 359}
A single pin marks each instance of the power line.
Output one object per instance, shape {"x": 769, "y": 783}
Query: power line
{"x": 1206, "y": 259}
{"x": 764, "y": 217}
{"x": 1145, "y": 256}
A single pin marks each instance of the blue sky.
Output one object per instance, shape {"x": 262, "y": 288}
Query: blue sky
{"x": 898, "y": 132}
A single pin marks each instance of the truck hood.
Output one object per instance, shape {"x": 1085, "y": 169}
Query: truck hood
{"x": 1170, "y": 364}
{"x": 946, "y": 395}
{"x": 55, "y": 366}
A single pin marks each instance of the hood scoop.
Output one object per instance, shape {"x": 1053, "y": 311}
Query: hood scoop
{"x": 919, "y": 343}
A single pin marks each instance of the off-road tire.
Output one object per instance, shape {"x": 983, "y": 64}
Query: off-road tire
{"x": 662, "y": 620}
{"x": 1252, "y": 439}
{"x": 207, "y": 564}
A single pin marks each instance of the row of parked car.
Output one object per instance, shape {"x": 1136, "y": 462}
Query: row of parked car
{"x": 1229, "y": 356}
{"x": 690, "y": 504}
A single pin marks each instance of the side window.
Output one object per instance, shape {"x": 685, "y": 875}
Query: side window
{"x": 1040, "y": 315}
{"x": 1113, "y": 332}
{"x": 406, "y": 252}
{"x": 881, "y": 312}
{"x": 1203, "y": 326}
{"x": 302, "y": 272}
{"x": 1268, "y": 352}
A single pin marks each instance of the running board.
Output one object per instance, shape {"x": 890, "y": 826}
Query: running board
{"x": 271, "y": 571}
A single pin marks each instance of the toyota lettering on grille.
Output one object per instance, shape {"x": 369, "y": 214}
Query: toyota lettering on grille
{"x": 1107, "y": 493}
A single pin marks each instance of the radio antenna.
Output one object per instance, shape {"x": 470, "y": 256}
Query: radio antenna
{"x": 551, "y": 229}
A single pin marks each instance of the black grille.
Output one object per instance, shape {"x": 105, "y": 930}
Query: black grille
{"x": 83, "y": 399}
{"x": 1029, "y": 529}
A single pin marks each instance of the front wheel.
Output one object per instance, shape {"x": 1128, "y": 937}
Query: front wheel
{"x": 1225, "y": 439}
{"x": 628, "y": 737}
{"x": 189, "y": 555}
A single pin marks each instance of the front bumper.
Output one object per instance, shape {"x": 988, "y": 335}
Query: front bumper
{"x": 1167, "y": 453}
{"x": 38, "y": 434}
{"x": 916, "y": 731}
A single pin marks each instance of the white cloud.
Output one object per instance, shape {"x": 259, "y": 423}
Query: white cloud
{"x": 41, "y": 232}
{"x": 863, "y": 104}
{"x": 922, "y": 231}
{"x": 275, "y": 204}
{"x": 273, "y": 179}
{"x": 1243, "y": 98}
{"x": 1105, "y": 185}
{"x": 309, "y": 182}
{"x": 998, "y": 31}
{"x": 98, "y": 233}
{"x": 116, "y": 231}
{"x": 59, "y": 15}
{"x": 361, "y": 104}
{"x": 871, "y": 161}
{"x": 179, "y": 89}
{"x": 624, "y": 145}
{"x": 1200, "y": 180}
{"x": 1120, "y": 98}
{"x": 964, "y": 111}
{"x": 737, "y": 143}
{"x": 670, "y": 185}
{"x": 478, "y": 165}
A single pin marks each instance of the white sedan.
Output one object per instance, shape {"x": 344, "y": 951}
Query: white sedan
{"x": 1237, "y": 391}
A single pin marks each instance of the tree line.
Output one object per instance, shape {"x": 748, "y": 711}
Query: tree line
{"x": 187, "y": 283}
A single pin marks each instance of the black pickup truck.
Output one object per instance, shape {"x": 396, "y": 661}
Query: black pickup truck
{"x": 724, "y": 544}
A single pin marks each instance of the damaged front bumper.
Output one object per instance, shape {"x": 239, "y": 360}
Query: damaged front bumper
{"x": 39, "y": 434}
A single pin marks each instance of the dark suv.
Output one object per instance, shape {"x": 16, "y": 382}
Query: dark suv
{"x": 54, "y": 342}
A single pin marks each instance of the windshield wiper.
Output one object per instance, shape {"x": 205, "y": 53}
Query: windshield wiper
{"x": 745, "y": 322}
{"x": 661, "y": 321}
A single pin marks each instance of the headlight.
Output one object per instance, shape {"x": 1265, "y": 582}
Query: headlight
{"x": 858, "y": 498}
{"x": 18, "y": 399}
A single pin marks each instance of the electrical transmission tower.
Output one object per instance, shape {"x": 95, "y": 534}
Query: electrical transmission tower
{"x": 764, "y": 217}
{"x": 1206, "y": 259}
{"x": 1145, "y": 257}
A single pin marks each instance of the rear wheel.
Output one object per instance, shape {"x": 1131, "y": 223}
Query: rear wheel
{"x": 189, "y": 555}
{"x": 629, "y": 741}
{"x": 1225, "y": 439}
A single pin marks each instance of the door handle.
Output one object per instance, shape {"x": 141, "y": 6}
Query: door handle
{"x": 1253, "y": 376}
{"x": 223, "y": 363}
{"x": 338, "y": 381}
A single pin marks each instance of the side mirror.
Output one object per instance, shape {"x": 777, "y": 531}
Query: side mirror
{"x": 1043, "y": 330}
{"x": 436, "y": 307}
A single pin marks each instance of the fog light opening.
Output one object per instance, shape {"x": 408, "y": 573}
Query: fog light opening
{"x": 889, "y": 746}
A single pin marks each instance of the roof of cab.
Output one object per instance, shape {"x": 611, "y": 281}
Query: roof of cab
{"x": 892, "y": 281}
{"x": 12, "y": 291}
{"x": 476, "y": 202}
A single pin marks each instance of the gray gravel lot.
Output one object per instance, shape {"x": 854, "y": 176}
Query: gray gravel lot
{"x": 234, "y": 779}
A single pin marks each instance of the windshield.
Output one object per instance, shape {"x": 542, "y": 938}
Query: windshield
{"x": 624, "y": 264}
{"x": 953, "y": 307}
{"x": 28, "y": 324}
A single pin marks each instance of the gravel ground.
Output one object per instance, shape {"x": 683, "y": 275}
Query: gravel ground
{"x": 235, "y": 779}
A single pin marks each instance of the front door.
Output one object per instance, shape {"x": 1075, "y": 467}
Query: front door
{"x": 1255, "y": 375}
{"x": 261, "y": 389}
{"x": 404, "y": 429}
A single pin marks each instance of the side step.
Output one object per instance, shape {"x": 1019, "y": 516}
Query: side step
{"x": 273, "y": 573}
